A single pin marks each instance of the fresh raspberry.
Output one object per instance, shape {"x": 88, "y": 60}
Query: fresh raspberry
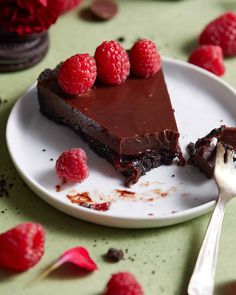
{"x": 123, "y": 283}
{"x": 210, "y": 58}
{"x": 144, "y": 58}
{"x": 112, "y": 63}
{"x": 71, "y": 166}
{"x": 77, "y": 74}
{"x": 22, "y": 246}
{"x": 221, "y": 32}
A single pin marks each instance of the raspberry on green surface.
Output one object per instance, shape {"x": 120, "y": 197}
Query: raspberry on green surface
{"x": 22, "y": 246}
{"x": 221, "y": 32}
{"x": 210, "y": 58}
{"x": 123, "y": 283}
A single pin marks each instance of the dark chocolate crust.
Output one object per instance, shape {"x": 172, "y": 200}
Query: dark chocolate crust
{"x": 202, "y": 153}
{"x": 132, "y": 166}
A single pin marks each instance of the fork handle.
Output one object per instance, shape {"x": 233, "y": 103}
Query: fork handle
{"x": 202, "y": 280}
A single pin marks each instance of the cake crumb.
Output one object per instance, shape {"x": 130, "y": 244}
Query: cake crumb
{"x": 114, "y": 255}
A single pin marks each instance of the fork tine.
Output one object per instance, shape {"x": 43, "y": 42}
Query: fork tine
{"x": 219, "y": 155}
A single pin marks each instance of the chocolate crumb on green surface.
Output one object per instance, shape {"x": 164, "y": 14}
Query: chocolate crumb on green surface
{"x": 114, "y": 255}
{"x": 121, "y": 39}
{"x": 3, "y": 188}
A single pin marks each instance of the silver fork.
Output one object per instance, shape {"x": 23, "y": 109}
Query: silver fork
{"x": 202, "y": 280}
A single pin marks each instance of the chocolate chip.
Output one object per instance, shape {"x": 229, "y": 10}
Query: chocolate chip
{"x": 114, "y": 255}
{"x": 104, "y": 9}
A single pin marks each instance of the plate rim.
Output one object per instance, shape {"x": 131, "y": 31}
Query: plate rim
{"x": 165, "y": 220}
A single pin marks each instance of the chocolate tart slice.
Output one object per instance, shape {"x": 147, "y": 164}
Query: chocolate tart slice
{"x": 131, "y": 125}
{"x": 203, "y": 152}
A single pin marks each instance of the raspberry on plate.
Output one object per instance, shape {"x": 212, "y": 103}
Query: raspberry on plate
{"x": 210, "y": 58}
{"x": 221, "y": 32}
{"x": 22, "y": 246}
{"x": 77, "y": 74}
{"x": 71, "y": 166}
{"x": 112, "y": 63}
{"x": 144, "y": 58}
{"x": 123, "y": 283}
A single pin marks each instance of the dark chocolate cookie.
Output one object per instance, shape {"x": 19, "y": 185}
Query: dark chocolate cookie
{"x": 19, "y": 53}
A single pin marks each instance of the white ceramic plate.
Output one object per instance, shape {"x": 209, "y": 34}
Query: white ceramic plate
{"x": 201, "y": 102}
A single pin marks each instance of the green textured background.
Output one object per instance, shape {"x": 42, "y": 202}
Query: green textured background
{"x": 162, "y": 259}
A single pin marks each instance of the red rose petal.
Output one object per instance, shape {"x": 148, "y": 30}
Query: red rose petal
{"x": 79, "y": 256}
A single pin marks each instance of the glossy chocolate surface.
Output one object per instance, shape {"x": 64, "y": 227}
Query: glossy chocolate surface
{"x": 129, "y": 118}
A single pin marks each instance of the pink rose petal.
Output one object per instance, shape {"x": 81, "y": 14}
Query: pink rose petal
{"x": 79, "y": 256}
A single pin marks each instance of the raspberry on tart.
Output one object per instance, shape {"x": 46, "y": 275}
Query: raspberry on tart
{"x": 77, "y": 74}
{"x": 144, "y": 58}
{"x": 112, "y": 63}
